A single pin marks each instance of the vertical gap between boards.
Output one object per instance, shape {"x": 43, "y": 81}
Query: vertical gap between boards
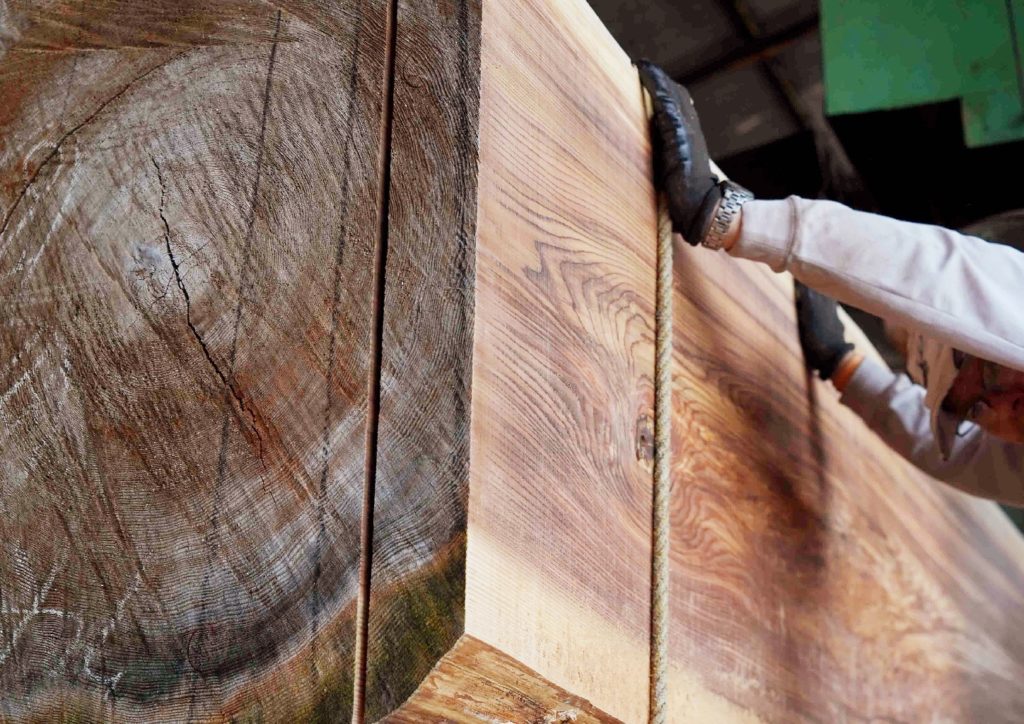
{"x": 373, "y": 398}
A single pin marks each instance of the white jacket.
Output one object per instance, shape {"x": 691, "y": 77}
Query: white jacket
{"x": 958, "y": 290}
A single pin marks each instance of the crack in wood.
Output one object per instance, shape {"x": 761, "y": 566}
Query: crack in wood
{"x": 177, "y": 278}
{"x": 213, "y": 542}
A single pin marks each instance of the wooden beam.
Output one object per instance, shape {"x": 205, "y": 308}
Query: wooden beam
{"x": 187, "y": 260}
{"x": 514, "y": 260}
{"x": 475, "y": 682}
{"x": 558, "y": 569}
{"x": 188, "y": 199}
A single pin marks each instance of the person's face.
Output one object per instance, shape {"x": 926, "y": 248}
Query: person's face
{"x": 991, "y": 395}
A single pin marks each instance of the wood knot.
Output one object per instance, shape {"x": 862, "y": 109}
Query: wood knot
{"x": 645, "y": 440}
{"x": 412, "y": 74}
{"x": 561, "y": 716}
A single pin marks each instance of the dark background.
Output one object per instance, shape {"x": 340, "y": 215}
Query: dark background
{"x": 754, "y": 69}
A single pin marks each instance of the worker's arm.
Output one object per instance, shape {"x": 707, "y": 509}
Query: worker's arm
{"x": 957, "y": 289}
{"x": 895, "y": 409}
{"x": 893, "y": 406}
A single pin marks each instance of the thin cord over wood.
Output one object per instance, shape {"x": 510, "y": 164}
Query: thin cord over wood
{"x": 662, "y": 470}
{"x": 662, "y": 465}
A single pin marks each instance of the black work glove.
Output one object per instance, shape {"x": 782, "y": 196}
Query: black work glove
{"x": 821, "y": 332}
{"x": 682, "y": 166}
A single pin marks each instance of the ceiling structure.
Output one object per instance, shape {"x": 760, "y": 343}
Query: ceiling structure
{"x": 716, "y": 48}
{"x": 754, "y": 69}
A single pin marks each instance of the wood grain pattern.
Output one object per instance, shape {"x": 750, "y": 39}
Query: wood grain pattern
{"x": 816, "y": 575}
{"x": 475, "y": 682}
{"x": 420, "y": 494}
{"x": 558, "y": 562}
{"x": 188, "y": 197}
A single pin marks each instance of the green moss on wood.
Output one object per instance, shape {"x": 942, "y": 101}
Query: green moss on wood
{"x": 416, "y": 623}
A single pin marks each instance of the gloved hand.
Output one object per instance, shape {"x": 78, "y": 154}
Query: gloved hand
{"x": 821, "y": 332}
{"x": 682, "y": 166}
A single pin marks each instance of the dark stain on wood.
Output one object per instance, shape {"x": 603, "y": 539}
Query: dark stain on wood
{"x": 808, "y": 555}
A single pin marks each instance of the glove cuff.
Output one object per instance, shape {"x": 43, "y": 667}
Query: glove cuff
{"x": 828, "y": 367}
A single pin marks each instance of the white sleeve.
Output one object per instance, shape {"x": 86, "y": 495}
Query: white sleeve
{"x": 956, "y": 289}
{"x": 893, "y": 406}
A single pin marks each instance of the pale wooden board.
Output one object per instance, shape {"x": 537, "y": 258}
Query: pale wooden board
{"x": 475, "y": 682}
{"x": 558, "y": 563}
{"x": 181, "y": 476}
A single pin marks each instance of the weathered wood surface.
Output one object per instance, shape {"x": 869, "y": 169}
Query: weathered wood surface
{"x": 188, "y": 198}
{"x": 558, "y": 566}
{"x": 475, "y": 682}
{"x": 817, "y": 576}
{"x": 416, "y": 606}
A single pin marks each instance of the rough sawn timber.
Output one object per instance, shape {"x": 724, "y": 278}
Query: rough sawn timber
{"x": 558, "y": 566}
{"x": 188, "y": 197}
{"x": 530, "y": 439}
{"x": 816, "y": 576}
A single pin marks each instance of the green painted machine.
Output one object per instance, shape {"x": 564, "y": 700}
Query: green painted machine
{"x": 881, "y": 54}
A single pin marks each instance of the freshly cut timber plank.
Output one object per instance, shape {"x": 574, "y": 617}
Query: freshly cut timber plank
{"x": 817, "y": 576}
{"x": 188, "y": 198}
{"x": 558, "y": 565}
{"x": 475, "y": 682}
{"x": 540, "y": 420}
